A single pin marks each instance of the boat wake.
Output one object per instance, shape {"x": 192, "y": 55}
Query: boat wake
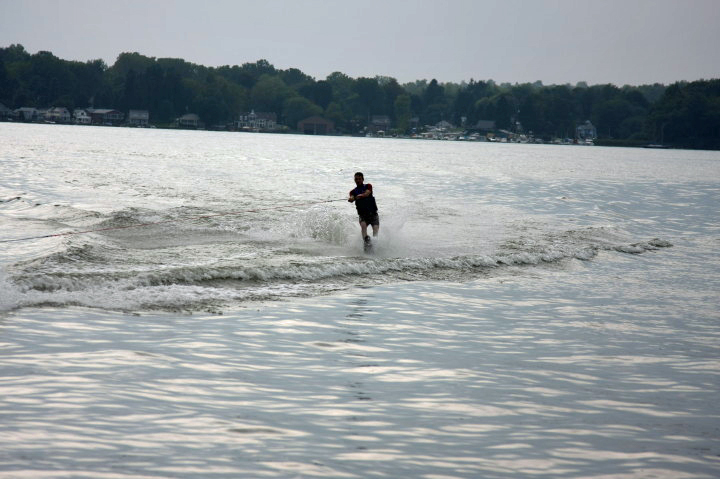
{"x": 216, "y": 263}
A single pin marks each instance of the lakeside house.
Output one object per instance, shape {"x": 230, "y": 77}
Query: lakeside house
{"x": 256, "y": 121}
{"x": 138, "y": 117}
{"x": 188, "y": 120}
{"x": 444, "y": 125}
{"x": 26, "y": 113}
{"x": 316, "y": 125}
{"x": 81, "y": 117}
{"x": 380, "y": 123}
{"x": 105, "y": 116}
{"x": 586, "y": 131}
{"x": 58, "y": 114}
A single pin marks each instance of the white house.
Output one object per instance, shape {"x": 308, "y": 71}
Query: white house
{"x": 81, "y": 117}
{"x": 586, "y": 131}
{"x": 58, "y": 114}
{"x": 257, "y": 121}
{"x": 188, "y": 120}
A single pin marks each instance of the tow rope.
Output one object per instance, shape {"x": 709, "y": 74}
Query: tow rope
{"x": 178, "y": 220}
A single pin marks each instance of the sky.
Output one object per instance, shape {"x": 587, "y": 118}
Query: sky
{"x": 624, "y": 42}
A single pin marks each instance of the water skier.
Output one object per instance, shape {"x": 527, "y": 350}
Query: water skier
{"x": 362, "y": 196}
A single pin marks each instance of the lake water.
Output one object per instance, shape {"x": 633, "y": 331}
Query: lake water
{"x": 198, "y": 304}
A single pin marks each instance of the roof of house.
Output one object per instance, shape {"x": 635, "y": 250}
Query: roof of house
{"x": 261, "y": 115}
{"x": 101, "y": 111}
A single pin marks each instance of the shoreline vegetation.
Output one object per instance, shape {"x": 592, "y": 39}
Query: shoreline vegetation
{"x": 172, "y": 93}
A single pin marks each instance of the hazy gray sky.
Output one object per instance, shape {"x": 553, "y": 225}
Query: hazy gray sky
{"x": 555, "y": 41}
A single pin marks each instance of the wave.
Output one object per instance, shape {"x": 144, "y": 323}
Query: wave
{"x": 188, "y": 258}
{"x": 94, "y": 282}
{"x": 12, "y": 199}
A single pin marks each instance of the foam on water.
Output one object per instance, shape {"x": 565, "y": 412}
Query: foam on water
{"x": 188, "y": 276}
{"x": 10, "y": 295}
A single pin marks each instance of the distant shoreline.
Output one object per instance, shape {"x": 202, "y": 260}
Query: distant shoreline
{"x": 596, "y": 142}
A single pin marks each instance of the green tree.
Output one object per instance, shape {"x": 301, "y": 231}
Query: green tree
{"x": 391, "y": 91}
{"x": 49, "y": 78}
{"x": 134, "y": 92}
{"x": 295, "y": 78}
{"x": 463, "y": 106}
{"x": 269, "y": 94}
{"x": 403, "y": 113}
{"x": 560, "y": 111}
{"x": 608, "y": 116}
{"x": 6, "y": 85}
{"x": 532, "y": 114}
{"x": 217, "y": 100}
{"x": 131, "y": 61}
{"x": 652, "y": 93}
{"x": 341, "y": 84}
{"x": 434, "y": 104}
{"x": 434, "y": 93}
{"x": 335, "y": 113}
{"x": 298, "y": 108}
{"x": 370, "y": 97}
{"x": 89, "y": 80}
{"x": 343, "y": 98}
{"x": 688, "y": 115}
{"x": 320, "y": 92}
{"x": 505, "y": 111}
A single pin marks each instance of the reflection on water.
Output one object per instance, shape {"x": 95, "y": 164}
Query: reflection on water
{"x": 507, "y": 325}
{"x": 494, "y": 378}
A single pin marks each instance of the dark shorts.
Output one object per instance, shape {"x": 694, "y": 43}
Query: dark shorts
{"x": 372, "y": 219}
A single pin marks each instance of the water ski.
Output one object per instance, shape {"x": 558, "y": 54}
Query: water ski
{"x": 368, "y": 247}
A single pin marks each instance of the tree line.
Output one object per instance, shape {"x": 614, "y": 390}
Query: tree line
{"x": 684, "y": 114}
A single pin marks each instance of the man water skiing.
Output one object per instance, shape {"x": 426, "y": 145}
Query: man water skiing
{"x": 362, "y": 196}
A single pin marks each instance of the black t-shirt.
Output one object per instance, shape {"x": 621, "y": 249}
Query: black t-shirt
{"x": 365, "y": 206}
